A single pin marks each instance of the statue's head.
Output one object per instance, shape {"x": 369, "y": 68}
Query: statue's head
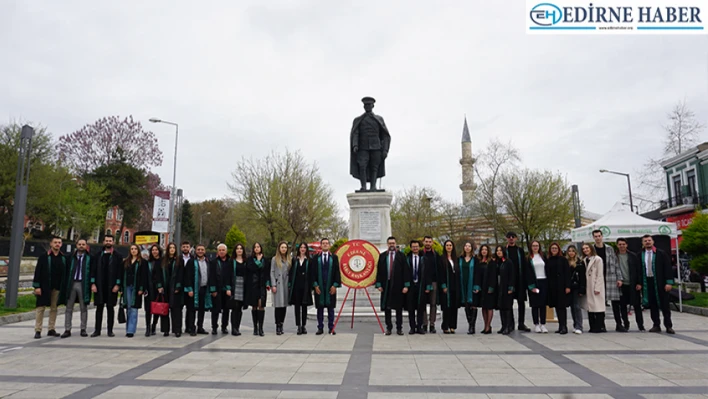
{"x": 368, "y": 103}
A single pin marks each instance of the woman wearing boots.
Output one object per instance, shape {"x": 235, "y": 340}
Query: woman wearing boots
{"x": 237, "y": 277}
{"x": 153, "y": 288}
{"x": 131, "y": 288}
{"x": 577, "y": 288}
{"x": 278, "y": 284}
{"x": 537, "y": 260}
{"x": 595, "y": 289}
{"x": 174, "y": 275}
{"x": 467, "y": 264}
{"x": 256, "y": 269}
{"x": 558, "y": 275}
{"x": 485, "y": 287}
{"x": 449, "y": 280}
{"x": 505, "y": 287}
{"x": 300, "y": 293}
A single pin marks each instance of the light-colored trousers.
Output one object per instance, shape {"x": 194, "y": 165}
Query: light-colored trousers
{"x": 39, "y": 313}
{"x": 77, "y": 293}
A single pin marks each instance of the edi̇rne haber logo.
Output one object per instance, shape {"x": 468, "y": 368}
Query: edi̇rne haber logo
{"x": 617, "y": 17}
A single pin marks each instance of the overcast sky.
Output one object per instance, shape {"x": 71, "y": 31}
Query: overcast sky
{"x": 244, "y": 78}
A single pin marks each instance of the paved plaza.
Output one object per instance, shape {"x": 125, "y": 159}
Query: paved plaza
{"x": 359, "y": 363}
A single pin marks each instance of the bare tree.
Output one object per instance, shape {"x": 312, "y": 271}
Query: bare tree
{"x": 494, "y": 160}
{"x": 681, "y": 132}
{"x": 414, "y": 213}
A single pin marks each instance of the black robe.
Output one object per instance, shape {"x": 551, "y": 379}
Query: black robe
{"x": 334, "y": 279}
{"x": 426, "y": 276}
{"x": 663, "y": 275}
{"x": 255, "y": 284}
{"x": 106, "y": 272}
{"x": 558, "y": 277}
{"x": 218, "y": 281}
{"x": 525, "y": 277}
{"x": 485, "y": 281}
{"x": 506, "y": 283}
{"x": 85, "y": 266}
{"x": 193, "y": 281}
{"x": 49, "y": 274}
{"x": 449, "y": 278}
{"x": 174, "y": 271}
{"x": 300, "y": 284}
{"x": 635, "y": 276}
{"x": 151, "y": 275}
{"x": 236, "y": 269}
{"x": 392, "y": 296}
{"x": 138, "y": 282}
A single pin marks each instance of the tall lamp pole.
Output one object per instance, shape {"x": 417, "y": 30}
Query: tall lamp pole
{"x": 201, "y": 221}
{"x": 174, "y": 176}
{"x": 629, "y": 185}
{"x": 18, "y": 216}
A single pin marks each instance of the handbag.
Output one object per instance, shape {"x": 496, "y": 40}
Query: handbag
{"x": 159, "y": 306}
{"x": 121, "y": 311}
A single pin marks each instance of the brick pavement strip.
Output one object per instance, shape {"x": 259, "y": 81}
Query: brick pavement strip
{"x": 360, "y": 364}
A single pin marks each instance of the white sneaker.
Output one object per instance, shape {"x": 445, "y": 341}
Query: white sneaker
{"x": 538, "y": 328}
{"x": 577, "y": 332}
{"x": 543, "y": 329}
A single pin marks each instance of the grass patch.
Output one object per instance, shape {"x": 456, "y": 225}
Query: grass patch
{"x": 700, "y": 300}
{"x": 25, "y": 303}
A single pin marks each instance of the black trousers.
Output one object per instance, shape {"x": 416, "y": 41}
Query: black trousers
{"x": 626, "y": 300}
{"x": 562, "y": 313}
{"x": 110, "y": 311}
{"x": 236, "y": 314}
{"x": 596, "y": 321}
{"x": 176, "y": 317}
{"x": 300, "y": 315}
{"x": 399, "y": 319}
{"x": 195, "y": 312}
{"x": 538, "y": 314}
{"x": 280, "y": 315}
{"x": 449, "y": 320}
{"x": 619, "y": 308}
{"x": 521, "y": 308}
{"x": 224, "y": 315}
{"x": 416, "y": 309}
{"x": 655, "y": 306}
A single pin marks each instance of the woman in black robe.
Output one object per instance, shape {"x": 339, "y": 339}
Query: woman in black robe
{"x": 558, "y": 275}
{"x": 236, "y": 275}
{"x": 173, "y": 269}
{"x": 131, "y": 288}
{"x": 152, "y": 277}
{"x": 505, "y": 288}
{"x": 449, "y": 284}
{"x": 255, "y": 286}
{"x": 300, "y": 286}
{"x": 485, "y": 281}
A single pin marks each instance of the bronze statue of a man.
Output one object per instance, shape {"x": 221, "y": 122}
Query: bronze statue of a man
{"x": 369, "y": 143}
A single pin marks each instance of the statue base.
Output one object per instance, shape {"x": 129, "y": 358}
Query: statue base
{"x": 370, "y": 216}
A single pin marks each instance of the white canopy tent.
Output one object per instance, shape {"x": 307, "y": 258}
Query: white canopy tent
{"x": 620, "y": 222}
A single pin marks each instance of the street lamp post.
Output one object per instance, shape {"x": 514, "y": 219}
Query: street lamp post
{"x": 629, "y": 185}
{"x": 174, "y": 176}
{"x": 201, "y": 221}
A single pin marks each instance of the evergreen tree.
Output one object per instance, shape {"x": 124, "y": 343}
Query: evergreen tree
{"x": 695, "y": 242}
{"x": 188, "y": 229}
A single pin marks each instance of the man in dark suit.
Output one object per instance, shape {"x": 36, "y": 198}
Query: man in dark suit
{"x": 421, "y": 285}
{"x": 656, "y": 283}
{"x": 326, "y": 279}
{"x": 105, "y": 282}
{"x": 630, "y": 286}
{"x": 393, "y": 280}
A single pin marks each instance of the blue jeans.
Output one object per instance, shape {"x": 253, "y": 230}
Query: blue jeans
{"x": 131, "y": 313}
{"x": 576, "y": 311}
{"x": 330, "y": 318}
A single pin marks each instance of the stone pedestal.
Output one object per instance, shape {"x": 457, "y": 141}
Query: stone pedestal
{"x": 370, "y": 217}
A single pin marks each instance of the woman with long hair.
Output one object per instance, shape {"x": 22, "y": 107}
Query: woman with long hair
{"x": 300, "y": 293}
{"x": 257, "y": 270}
{"x": 485, "y": 286}
{"x": 537, "y": 260}
{"x": 131, "y": 288}
{"x": 152, "y": 277}
{"x": 505, "y": 286}
{"x": 237, "y": 275}
{"x": 595, "y": 289}
{"x": 577, "y": 287}
{"x": 468, "y": 263}
{"x": 173, "y": 269}
{"x": 558, "y": 277}
{"x": 278, "y": 284}
{"x": 449, "y": 280}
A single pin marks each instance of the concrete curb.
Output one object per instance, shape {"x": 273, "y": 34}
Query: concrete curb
{"x": 18, "y": 317}
{"x": 695, "y": 310}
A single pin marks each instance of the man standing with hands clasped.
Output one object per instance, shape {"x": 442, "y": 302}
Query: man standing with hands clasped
{"x": 326, "y": 279}
{"x": 393, "y": 278}
{"x": 656, "y": 282}
{"x": 48, "y": 280}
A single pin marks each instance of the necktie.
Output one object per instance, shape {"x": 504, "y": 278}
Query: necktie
{"x": 325, "y": 258}
{"x": 415, "y": 269}
{"x": 390, "y": 265}
{"x": 78, "y": 268}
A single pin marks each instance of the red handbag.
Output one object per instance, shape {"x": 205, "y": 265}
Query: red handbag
{"x": 159, "y": 306}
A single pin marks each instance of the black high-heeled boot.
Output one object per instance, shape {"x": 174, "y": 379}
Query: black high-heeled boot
{"x": 472, "y": 321}
{"x": 261, "y": 317}
{"x": 255, "y": 316}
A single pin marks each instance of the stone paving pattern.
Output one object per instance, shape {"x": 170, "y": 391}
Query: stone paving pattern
{"x": 359, "y": 363}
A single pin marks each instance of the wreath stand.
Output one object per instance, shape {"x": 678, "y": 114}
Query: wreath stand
{"x": 354, "y": 306}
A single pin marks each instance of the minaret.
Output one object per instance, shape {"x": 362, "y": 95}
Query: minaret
{"x": 467, "y": 163}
